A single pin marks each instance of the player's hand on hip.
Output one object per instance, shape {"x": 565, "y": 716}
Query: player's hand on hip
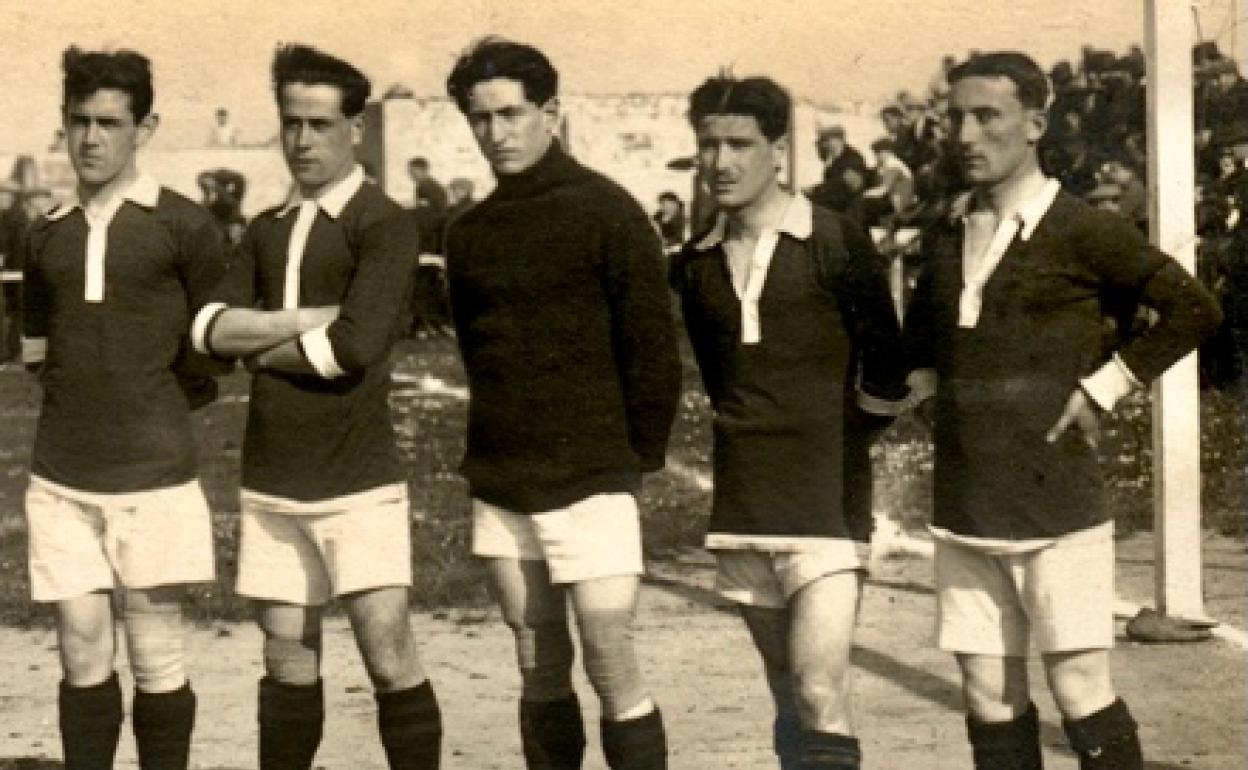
{"x": 1081, "y": 413}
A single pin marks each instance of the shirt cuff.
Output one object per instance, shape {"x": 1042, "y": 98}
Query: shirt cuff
{"x": 320, "y": 352}
{"x": 1109, "y": 384}
{"x": 882, "y": 407}
{"x": 34, "y": 350}
{"x": 202, "y": 325}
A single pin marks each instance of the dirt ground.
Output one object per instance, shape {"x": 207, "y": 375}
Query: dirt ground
{"x": 1189, "y": 700}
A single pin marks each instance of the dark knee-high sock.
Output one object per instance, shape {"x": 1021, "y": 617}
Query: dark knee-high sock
{"x": 829, "y": 751}
{"x": 552, "y": 734}
{"x": 1106, "y": 740}
{"x": 635, "y": 744}
{"x": 1012, "y": 745}
{"x": 90, "y": 722}
{"x": 162, "y": 725}
{"x": 291, "y": 721}
{"x": 410, "y": 724}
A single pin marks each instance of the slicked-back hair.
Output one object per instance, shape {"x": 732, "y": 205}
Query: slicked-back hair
{"x": 496, "y": 57}
{"x": 758, "y": 97}
{"x": 304, "y": 64}
{"x": 1029, "y": 80}
{"x": 89, "y": 71}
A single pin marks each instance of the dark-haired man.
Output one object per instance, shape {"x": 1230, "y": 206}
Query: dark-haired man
{"x": 565, "y": 327}
{"x": 1007, "y": 322}
{"x": 314, "y": 298}
{"x": 794, "y": 331}
{"x": 114, "y": 506}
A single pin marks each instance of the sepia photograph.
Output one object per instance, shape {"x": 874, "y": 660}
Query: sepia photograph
{"x": 604, "y": 385}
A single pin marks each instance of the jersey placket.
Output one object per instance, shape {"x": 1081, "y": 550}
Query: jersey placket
{"x": 294, "y": 253}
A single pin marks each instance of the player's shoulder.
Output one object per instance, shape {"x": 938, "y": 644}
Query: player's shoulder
{"x": 176, "y": 206}
{"x": 370, "y": 206}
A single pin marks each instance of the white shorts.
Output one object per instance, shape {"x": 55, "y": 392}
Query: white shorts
{"x": 81, "y": 542}
{"x": 762, "y": 577}
{"x": 307, "y": 558}
{"x": 1061, "y": 595}
{"x": 597, "y": 537}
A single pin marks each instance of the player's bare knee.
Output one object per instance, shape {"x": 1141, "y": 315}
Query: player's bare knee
{"x": 86, "y": 640}
{"x": 391, "y": 660}
{"x": 294, "y": 660}
{"x": 611, "y": 660}
{"x": 155, "y": 639}
{"x": 1081, "y": 682}
{"x": 995, "y": 688}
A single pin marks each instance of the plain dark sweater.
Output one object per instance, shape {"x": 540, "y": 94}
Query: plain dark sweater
{"x": 1005, "y": 382}
{"x": 564, "y": 322}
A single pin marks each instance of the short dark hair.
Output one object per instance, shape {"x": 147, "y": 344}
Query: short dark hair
{"x": 758, "y": 97}
{"x": 294, "y": 63}
{"x": 419, "y": 162}
{"x": 1020, "y": 69}
{"x": 89, "y": 71}
{"x": 496, "y": 57}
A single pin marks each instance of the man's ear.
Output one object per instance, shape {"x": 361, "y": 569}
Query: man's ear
{"x": 550, "y": 114}
{"x": 146, "y": 129}
{"x": 1037, "y": 124}
{"x": 357, "y": 128}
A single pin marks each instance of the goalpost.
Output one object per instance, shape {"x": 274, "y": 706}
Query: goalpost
{"x": 1169, "y": 35}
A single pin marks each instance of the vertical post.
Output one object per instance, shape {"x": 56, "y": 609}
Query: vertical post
{"x": 1176, "y": 406}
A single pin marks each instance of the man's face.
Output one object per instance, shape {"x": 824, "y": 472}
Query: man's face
{"x": 318, "y": 140}
{"x": 103, "y": 136}
{"x": 512, "y": 132}
{"x": 994, "y": 134}
{"x": 737, "y": 162}
{"x": 830, "y": 147}
{"x": 417, "y": 172}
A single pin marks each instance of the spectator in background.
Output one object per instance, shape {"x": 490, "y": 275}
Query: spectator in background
{"x": 844, "y": 172}
{"x": 459, "y": 192}
{"x": 1077, "y": 172}
{"x": 224, "y": 133}
{"x": 13, "y": 223}
{"x": 1132, "y": 195}
{"x": 427, "y": 194}
{"x": 669, "y": 220}
{"x": 223, "y": 190}
{"x": 893, "y": 191}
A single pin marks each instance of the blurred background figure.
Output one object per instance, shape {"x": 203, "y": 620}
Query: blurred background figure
{"x": 224, "y": 133}
{"x": 669, "y": 220}
{"x": 222, "y": 191}
{"x": 844, "y": 173}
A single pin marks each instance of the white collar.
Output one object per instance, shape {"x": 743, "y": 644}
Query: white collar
{"x": 144, "y": 190}
{"x": 798, "y": 221}
{"x": 1028, "y": 212}
{"x": 331, "y": 200}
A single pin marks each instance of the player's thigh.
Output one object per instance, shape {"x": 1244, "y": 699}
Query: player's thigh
{"x": 524, "y": 592}
{"x": 769, "y": 629}
{"x": 821, "y": 624}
